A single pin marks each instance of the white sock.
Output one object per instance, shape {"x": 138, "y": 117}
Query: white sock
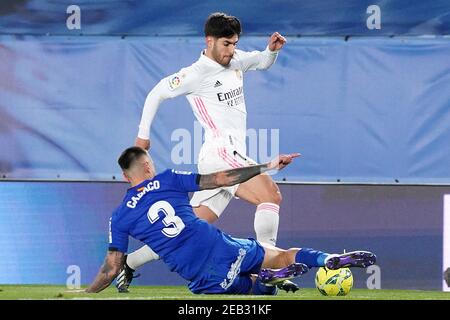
{"x": 140, "y": 257}
{"x": 266, "y": 222}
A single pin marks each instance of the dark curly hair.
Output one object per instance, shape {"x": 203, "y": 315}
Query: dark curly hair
{"x": 221, "y": 25}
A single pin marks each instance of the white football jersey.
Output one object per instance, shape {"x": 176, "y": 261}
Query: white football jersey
{"x": 215, "y": 93}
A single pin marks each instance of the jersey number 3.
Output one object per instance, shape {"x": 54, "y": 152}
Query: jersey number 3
{"x": 173, "y": 223}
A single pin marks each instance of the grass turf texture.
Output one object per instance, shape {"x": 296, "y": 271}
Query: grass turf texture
{"x": 37, "y": 292}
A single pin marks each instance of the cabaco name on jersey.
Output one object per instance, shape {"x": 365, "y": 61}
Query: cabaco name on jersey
{"x": 152, "y": 185}
{"x": 224, "y": 96}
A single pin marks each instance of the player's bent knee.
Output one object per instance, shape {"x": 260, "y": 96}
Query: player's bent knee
{"x": 274, "y": 197}
{"x": 275, "y": 194}
{"x": 277, "y": 198}
{"x": 270, "y": 196}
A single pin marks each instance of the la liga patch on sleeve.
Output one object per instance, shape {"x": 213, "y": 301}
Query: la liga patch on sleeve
{"x": 174, "y": 82}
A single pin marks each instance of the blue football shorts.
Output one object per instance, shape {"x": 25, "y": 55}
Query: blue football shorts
{"x": 229, "y": 266}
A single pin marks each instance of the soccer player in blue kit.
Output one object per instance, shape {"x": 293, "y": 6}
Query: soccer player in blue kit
{"x": 156, "y": 211}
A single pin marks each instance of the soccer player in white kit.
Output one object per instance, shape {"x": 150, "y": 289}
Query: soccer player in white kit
{"x": 213, "y": 86}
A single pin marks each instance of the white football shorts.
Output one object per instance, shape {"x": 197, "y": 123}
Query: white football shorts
{"x": 213, "y": 159}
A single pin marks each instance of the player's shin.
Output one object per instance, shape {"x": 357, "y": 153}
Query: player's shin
{"x": 266, "y": 223}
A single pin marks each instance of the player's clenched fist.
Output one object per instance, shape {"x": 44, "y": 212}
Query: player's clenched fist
{"x": 276, "y": 41}
{"x": 143, "y": 143}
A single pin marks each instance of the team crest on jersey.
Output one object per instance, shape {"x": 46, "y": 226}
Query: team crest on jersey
{"x": 238, "y": 74}
{"x": 174, "y": 82}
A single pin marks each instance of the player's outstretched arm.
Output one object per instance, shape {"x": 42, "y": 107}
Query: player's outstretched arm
{"x": 108, "y": 272}
{"x": 234, "y": 176}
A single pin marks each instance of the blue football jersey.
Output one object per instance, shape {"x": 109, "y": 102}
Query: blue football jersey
{"x": 158, "y": 213}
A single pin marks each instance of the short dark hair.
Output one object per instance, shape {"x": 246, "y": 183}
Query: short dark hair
{"x": 221, "y": 25}
{"x": 129, "y": 155}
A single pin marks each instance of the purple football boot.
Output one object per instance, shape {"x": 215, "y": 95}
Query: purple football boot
{"x": 275, "y": 276}
{"x": 360, "y": 259}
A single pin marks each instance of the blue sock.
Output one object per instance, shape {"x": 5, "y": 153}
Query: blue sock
{"x": 262, "y": 289}
{"x": 311, "y": 257}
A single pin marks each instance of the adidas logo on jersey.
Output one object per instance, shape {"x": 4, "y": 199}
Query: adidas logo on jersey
{"x": 218, "y": 84}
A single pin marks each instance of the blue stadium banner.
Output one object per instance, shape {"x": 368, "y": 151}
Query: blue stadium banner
{"x": 362, "y": 110}
{"x": 181, "y": 18}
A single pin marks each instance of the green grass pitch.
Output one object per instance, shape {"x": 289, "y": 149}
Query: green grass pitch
{"x": 37, "y": 292}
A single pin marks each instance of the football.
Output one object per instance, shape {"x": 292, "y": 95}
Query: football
{"x": 334, "y": 282}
